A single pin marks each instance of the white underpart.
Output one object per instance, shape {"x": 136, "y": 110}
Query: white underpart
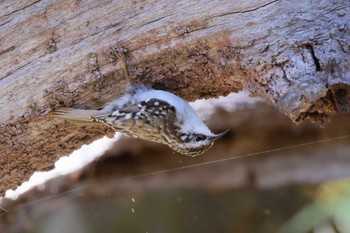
{"x": 191, "y": 121}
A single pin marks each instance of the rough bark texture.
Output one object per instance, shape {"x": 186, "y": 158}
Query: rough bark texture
{"x": 61, "y": 53}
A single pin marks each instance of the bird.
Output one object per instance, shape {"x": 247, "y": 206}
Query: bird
{"x": 154, "y": 115}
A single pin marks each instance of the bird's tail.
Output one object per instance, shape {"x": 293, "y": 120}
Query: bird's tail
{"x": 76, "y": 116}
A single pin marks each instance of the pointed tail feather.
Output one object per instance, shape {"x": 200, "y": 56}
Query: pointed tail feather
{"x": 80, "y": 116}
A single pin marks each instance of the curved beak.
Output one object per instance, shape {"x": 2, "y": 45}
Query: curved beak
{"x": 220, "y": 135}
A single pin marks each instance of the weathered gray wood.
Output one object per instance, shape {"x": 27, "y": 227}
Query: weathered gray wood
{"x": 60, "y": 53}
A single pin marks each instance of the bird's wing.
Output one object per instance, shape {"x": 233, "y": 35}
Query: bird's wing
{"x": 146, "y": 119}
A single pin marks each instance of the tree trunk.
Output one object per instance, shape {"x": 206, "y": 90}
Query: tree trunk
{"x": 61, "y": 53}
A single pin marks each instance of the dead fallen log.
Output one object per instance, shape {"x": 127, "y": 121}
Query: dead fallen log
{"x": 56, "y": 54}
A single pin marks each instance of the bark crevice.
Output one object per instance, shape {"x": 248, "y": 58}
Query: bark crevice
{"x": 313, "y": 55}
{"x": 244, "y": 11}
{"x": 22, "y": 8}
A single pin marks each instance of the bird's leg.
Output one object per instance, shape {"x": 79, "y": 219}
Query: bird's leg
{"x": 120, "y": 53}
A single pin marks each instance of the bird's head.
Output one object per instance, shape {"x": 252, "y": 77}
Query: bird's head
{"x": 193, "y": 144}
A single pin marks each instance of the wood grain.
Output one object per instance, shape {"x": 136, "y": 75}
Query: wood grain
{"x": 60, "y": 54}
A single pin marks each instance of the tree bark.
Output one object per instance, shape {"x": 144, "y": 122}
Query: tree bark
{"x": 61, "y": 53}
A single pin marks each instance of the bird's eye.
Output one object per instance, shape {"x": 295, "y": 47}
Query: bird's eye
{"x": 200, "y": 138}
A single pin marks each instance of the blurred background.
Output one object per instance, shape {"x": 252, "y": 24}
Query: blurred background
{"x": 266, "y": 175}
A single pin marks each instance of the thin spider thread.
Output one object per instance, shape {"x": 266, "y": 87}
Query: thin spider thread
{"x": 30, "y": 203}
